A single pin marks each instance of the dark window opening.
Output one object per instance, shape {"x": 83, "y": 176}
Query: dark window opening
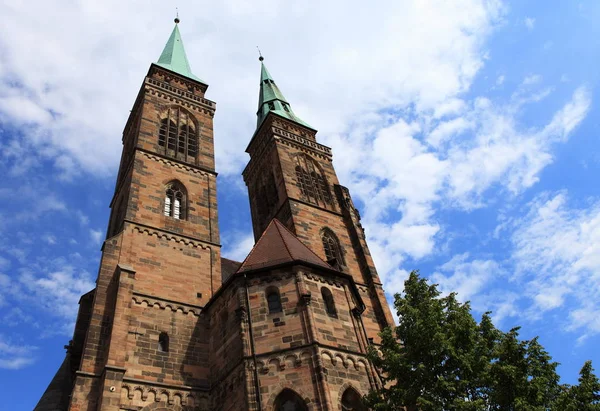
{"x": 177, "y": 134}
{"x": 352, "y": 401}
{"x": 273, "y": 300}
{"x": 163, "y": 342}
{"x": 288, "y": 400}
{"x": 331, "y": 246}
{"x": 329, "y": 303}
{"x": 271, "y": 105}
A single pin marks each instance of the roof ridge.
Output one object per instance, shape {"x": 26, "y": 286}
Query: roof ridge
{"x": 296, "y": 237}
{"x": 253, "y": 247}
{"x": 277, "y": 224}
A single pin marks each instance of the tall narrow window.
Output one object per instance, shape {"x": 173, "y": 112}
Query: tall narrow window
{"x": 192, "y": 139}
{"x": 175, "y": 199}
{"x": 178, "y": 134}
{"x": 163, "y": 342}
{"x": 273, "y": 300}
{"x": 328, "y": 301}
{"x": 331, "y": 246}
{"x": 311, "y": 181}
{"x": 266, "y": 198}
{"x": 351, "y": 401}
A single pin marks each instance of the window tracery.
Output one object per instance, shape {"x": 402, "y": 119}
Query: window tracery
{"x": 331, "y": 246}
{"x": 178, "y": 134}
{"x": 311, "y": 181}
{"x": 175, "y": 201}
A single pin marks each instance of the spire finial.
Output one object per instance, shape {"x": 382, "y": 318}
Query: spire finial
{"x": 260, "y": 58}
{"x": 177, "y": 16}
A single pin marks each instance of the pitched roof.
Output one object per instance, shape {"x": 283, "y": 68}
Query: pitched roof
{"x": 228, "y": 267}
{"x": 174, "y": 58}
{"x": 56, "y": 396}
{"x": 278, "y": 245}
{"x": 271, "y": 99}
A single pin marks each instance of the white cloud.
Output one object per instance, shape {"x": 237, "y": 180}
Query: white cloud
{"x": 56, "y": 288}
{"x": 557, "y": 256}
{"x": 96, "y": 236}
{"x": 15, "y": 356}
{"x": 4, "y": 263}
{"x": 500, "y": 80}
{"x": 50, "y": 91}
{"x": 529, "y": 23}
{"x": 484, "y": 147}
{"x": 532, "y": 79}
{"x": 50, "y": 239}
{"x": 466, "y": 278}
{"x": 237, "y": 246}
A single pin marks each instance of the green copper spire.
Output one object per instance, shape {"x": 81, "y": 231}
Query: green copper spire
{"x": 173, "y": 56}
{"x": 271, "y": 99}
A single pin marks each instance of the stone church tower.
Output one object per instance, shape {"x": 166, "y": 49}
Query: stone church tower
{"x": 171, "y": 325}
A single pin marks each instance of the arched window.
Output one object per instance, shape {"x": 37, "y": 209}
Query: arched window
{"x": 178, "y": 134}
{"x": 273, "y": 300}
{"x": 351, "y": 401}
{"x": 311, "y": 181}
{"x": 328, "y": 301}
{"x": 163, "y": 342}
{"x": 288, "y": 400}
{"x": 331, "y": 245}
{"x": 175, "y": 199}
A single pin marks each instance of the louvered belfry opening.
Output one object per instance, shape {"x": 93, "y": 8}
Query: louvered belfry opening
{"x": 331, "y": 246}
{"x": 178, "y": 135}
{"x": 311, "y": 181}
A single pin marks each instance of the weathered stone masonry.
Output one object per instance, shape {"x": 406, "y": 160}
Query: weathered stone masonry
{"x": 171, "y": 325}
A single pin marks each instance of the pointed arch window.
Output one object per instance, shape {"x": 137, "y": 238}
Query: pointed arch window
{"x": 352, "y": 401}
{"x": 273, "y": 300}
{"x": 311, "y": 181}
{"x": 331, "y": 246}
{"x": 288, "y": 400}
{"x": 175, "y": 201}
{"x": 178, "y": 134}
{"x": 328, "y": 301}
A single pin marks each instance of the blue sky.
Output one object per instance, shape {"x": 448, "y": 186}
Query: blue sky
{"x": 467, "y": 132}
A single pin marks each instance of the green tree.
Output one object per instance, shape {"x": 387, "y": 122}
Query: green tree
{"x": 522, "y": 376}
{"x": 582, "y": 397}
{"x": 439, "y": 358}
{"x": 432, "y": 360}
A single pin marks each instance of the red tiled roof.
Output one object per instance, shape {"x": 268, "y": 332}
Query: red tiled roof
{"x": 278, "y": 245}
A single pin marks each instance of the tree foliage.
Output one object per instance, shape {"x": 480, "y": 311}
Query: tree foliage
{"x": 440, "y": 358}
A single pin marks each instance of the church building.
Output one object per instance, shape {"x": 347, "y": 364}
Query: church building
{"x": 171, "y": 324}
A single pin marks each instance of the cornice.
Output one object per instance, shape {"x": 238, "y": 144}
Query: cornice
{"x": 163, "y": 304}
{"x": 176, "y": 163}
{"x": 170, "y": 236}
{"x": 181, "y": 97}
